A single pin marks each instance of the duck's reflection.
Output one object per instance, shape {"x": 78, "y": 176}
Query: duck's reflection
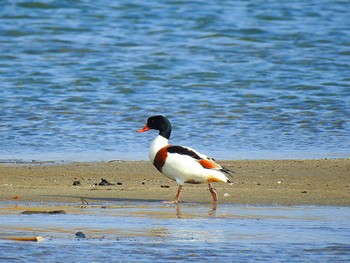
{"x": 178, "y": 210}
{"x": 211, "y": 213}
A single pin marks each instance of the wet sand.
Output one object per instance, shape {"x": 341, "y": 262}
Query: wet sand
{"x": 256, "y": 182}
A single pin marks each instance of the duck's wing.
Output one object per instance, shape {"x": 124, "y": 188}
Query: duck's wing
{"x": 206, "y": 161}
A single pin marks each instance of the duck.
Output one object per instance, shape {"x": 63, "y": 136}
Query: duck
{"x": 180, "y": 163}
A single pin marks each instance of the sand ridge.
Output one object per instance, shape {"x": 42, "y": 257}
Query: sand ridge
{"x": 256, "y": 182}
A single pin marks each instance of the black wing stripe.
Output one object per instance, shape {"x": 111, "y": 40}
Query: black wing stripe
{"x": 184, "y": 151}
{"x": 227, "y": 171}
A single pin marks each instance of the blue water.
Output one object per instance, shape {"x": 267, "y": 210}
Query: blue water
{"x": 238, "y": 79}
{"x": 153, "y": 232}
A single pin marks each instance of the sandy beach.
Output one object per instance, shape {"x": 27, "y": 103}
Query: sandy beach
{"x": 256, "y": 182}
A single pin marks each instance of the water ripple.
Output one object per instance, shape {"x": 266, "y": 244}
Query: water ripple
{"x": 238, "y": 79}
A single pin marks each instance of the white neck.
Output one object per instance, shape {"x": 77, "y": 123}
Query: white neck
{"x": 158, "y": 143}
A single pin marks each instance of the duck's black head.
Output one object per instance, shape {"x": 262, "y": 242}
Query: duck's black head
{"x": 160, "y": 123}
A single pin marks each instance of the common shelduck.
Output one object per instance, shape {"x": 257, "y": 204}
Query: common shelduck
{"x": 182, "y": 164}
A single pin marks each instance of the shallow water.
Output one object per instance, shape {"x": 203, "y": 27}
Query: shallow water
{"x": 151, "y": 231}
{"x": 238, "y": 79}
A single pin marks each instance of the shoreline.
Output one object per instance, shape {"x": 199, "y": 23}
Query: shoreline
{"x": 256, "y": 182}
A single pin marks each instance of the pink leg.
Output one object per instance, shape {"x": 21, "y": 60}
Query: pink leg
{"x": 213, "y": 193}
{"x": 177, "y": 197}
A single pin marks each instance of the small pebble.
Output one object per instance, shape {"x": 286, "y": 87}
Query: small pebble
{"x": 226, "y": 194}
{"x": 80, "y": 234}
{"x": 104, "y": 182}
{"x": 76, "y": 183}
{"x": 279, "y": 182}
